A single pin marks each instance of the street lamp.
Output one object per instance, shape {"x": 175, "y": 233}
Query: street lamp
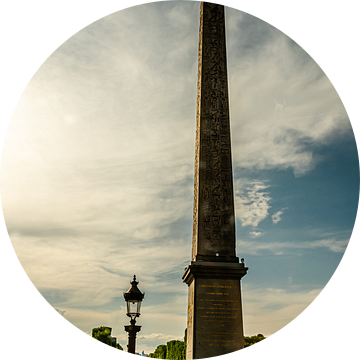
{"x": 133, "y": 298}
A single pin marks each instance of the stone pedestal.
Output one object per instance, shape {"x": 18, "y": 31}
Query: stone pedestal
{"x": 215, "y": 324}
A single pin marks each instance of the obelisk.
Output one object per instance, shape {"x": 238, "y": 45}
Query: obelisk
{"x": 215, "y": 323}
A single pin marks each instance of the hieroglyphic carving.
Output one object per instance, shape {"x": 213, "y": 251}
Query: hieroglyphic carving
{"x": 213, "y": 217}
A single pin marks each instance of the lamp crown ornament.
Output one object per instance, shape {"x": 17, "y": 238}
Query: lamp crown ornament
{"x": 134, "y": 292}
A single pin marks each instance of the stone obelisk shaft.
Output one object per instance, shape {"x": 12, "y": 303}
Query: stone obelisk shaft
{"x": 214, "y": 319}
{"x": 213, "y": 218}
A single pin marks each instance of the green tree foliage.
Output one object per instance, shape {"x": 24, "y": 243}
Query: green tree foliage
{"x": 185, "y": 342}
{"x": 103, "y": 334}
{"x": 251, "y": 340}
{"x": 118, "y": 346}
{"x": 175, "y": 350}
{"x": 159, "y": 353}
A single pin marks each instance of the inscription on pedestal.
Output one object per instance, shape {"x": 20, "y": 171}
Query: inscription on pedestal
{"x": 218, "y": 317}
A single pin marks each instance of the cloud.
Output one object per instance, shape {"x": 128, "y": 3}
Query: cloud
{"x": 277, "y": 216}
{"x": 256, "y": 234}
{"x": 61, "y": 312}
{"x": 280, "y": 248}
{"x": 101, "y": 143}
{"x": 333, "y": 245}
{"x": 76, "y": 272}
{"x": 282, "y": 104}
{"x": 251, "y": 202}
{"x": 276, "y": 308}
{"x": 162, "y": 338}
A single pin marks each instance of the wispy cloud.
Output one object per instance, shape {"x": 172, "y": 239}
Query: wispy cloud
{"x": 280, "y": 248}
{"x": 276, "y": 308}
{"x": 251, "y": 201}
{"x": 86, "y": 272}
{"x": 256, "y": 234}
{"x": 281, "y": 101}
{"x": 61, "y": 312}
{"x": 277, "y": 216}
{"x": 161, "y": 337}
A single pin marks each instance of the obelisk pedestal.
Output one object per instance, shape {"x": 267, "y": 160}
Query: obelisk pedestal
{"x": 215, "y": 324}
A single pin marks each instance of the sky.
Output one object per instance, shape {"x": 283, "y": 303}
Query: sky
{"x": 97, "y": 171}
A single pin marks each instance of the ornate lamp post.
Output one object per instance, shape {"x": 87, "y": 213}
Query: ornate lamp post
{"x": 133, "y": 298}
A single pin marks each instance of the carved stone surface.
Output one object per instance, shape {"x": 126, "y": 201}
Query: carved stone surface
{"x": 213, "y": 218}
{"x": 215, "y": 324}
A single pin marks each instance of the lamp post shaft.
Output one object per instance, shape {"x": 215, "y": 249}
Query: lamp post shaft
{"x": 132, "y": 330}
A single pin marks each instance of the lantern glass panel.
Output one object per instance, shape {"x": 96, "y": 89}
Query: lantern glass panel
{"x": 133, "y": 307}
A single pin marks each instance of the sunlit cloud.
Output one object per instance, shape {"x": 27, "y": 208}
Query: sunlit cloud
{"x": 251, "y": 201}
